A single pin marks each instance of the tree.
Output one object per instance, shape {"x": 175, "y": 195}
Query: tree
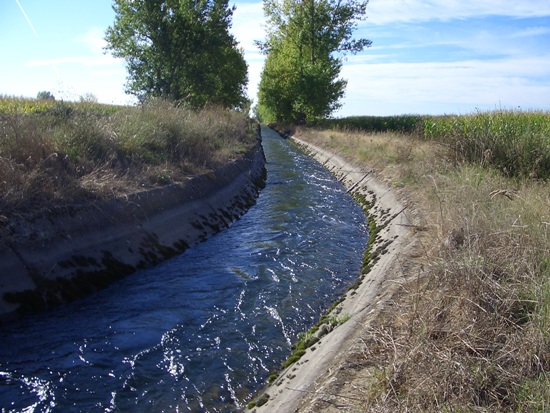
{"x": 45, "y": 95}
{"x": 179, "y": 49}
{"x": 305, "y": 46}
{"x": 88, "y": 98}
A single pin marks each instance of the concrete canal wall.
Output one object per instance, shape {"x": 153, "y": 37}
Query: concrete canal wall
{"x": 62, "y": 254}
{"x": 299, "y": 387}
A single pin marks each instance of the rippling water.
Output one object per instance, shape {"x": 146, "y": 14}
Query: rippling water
{"x": 202, "y": 331}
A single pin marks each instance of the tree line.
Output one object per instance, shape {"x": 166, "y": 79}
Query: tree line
{"x": 182, "y": 50}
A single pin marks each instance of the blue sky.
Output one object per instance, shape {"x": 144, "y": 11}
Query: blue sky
{"x": 428, "y": 56}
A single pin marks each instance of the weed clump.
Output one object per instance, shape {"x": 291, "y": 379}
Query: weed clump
{"x": 472, "y": 333}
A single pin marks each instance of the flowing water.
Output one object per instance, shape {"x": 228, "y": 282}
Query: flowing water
{"x": 202, "y": 331}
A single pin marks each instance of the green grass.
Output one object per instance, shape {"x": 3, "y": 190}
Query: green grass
{"x": 55, "y": 151}
{"x": 15, "y": 105}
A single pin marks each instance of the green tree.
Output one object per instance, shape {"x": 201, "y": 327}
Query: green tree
{"x": 45, "y": 95}
{"x": 179, "y": 49}
{"x": 306, "y": 43}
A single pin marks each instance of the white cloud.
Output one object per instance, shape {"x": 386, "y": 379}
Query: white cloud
{"x": 254, "y": 74}
{"x": 390, "y": 88}
{"x": 91, "y": 71}
{"x": 409, "y": 11}
{"x": 94, "y": 40}
{"x": 92, "y": 53}
{"x": 532, "y": 31}
{"x": 248, "y": 20}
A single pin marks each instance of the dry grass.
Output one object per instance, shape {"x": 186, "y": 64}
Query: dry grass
{"x": 402, "y": 160}
{"x": 54, "y": 152}
{"x": 471, "y": 329}
{"x": 512, "y": 141}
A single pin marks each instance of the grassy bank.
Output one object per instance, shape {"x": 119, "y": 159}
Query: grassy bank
{"x": 69, "y": 152}
{"x": 470, "y": 329}
{"x": 515, "y": 142}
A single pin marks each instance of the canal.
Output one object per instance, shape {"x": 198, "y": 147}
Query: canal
{"x": 202, "y": 331}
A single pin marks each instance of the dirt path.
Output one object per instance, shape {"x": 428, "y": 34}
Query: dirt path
{"x": 322, "y": 380}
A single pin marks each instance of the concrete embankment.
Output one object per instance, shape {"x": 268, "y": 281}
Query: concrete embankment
{"x": 304, "y": 386}
{"x": 70, "y": 251}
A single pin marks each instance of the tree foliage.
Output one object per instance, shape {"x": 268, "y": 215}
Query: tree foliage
{"x": 45, "y": 95}
{"x": 305, "y": 45}
{"x": 179, "y": 49}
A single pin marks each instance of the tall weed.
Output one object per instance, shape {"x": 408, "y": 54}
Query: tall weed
{"x": 515, "y": 142}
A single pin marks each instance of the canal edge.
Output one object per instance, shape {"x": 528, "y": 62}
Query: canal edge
{"x": 63, "y": 254}
{"x": 391, "y": 238}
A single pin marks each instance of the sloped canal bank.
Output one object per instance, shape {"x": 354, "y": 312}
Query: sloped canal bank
{"x": 202, "y": 331}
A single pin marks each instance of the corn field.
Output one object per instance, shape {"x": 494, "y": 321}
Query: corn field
{"x": 515, "y": 142}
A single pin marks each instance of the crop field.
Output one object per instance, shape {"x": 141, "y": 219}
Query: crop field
{"x": 20, "y": 106}
{"x": 513, "y": 141}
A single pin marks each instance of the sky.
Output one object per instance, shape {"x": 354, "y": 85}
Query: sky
{"x": 427, "y": 56}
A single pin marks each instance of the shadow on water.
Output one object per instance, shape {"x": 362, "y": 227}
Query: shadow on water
{"x": 202, "y": 331}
